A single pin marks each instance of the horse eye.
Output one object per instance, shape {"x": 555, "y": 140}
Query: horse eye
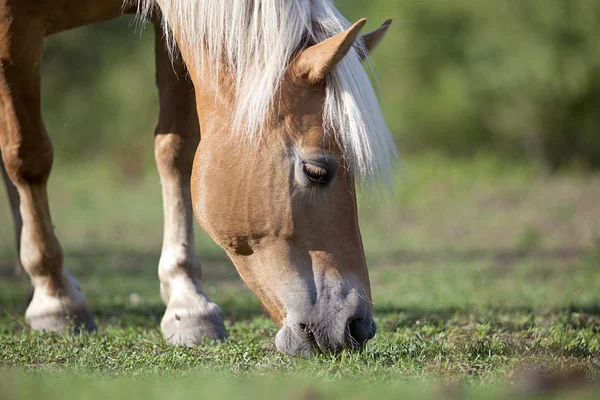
{"x": 316, "y": 173}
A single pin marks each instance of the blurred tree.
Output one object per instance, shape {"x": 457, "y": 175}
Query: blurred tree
{"x": 520, "y": 78}
{"x": 98, "y": 92}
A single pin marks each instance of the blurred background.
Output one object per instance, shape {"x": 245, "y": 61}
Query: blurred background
{"x": 495, "y": 107}
{"x": 519, "y": 79}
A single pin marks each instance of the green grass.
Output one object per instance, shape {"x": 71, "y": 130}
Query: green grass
{"x": 485, "y": 277}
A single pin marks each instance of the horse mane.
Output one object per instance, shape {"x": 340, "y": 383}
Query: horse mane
{"x": 255, "y": 40}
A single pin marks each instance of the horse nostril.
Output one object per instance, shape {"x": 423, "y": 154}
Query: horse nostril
{"x": 362, "y": 330}
{"x": 307, "y": 334}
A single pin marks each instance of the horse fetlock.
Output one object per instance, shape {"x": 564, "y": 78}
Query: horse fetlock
{"x": 44, "y": 266}
{"x": 59, "y": 309}
{"x": 181, "y": 271}
{"x": 175, "y": 268}
{"x": 191, "y": 317}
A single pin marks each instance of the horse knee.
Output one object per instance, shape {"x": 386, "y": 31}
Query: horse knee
{"x": 28, "y": 161}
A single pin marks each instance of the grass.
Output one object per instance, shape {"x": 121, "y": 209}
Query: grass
{"x": 485, "y": 279}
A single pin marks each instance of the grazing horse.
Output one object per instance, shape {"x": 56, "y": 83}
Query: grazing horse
{"x": 290, "y": 124}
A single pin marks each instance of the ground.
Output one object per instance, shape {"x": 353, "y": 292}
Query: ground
{"x": 485, "y": 278}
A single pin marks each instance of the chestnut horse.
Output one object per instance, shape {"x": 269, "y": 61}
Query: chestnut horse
{"x": 290, "y": 124}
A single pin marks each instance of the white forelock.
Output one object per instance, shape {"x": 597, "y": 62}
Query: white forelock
{"x": 255, "y": 40}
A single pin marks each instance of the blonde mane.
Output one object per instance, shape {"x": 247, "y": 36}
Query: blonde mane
{"x": 255, "y": 39}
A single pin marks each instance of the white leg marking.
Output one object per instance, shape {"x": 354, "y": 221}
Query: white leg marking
{"x": 57, "y": 301}
{"x": 190, "y": 315}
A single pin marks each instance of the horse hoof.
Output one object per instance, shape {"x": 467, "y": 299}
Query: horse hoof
{"x": 66, "y": 312}
{"x": 74, "y": 321}
{"x": 184, "y": 328}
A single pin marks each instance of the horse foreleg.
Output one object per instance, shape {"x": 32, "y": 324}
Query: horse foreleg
{"x": 13, "y": 198}
{"x": 190, "y": 315}
{"x": 27, "y": 154}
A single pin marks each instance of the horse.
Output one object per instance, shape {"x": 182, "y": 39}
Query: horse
{"x": 268, "y": 122}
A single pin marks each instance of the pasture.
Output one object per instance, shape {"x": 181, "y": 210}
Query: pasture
{"x": 485, "y": 278}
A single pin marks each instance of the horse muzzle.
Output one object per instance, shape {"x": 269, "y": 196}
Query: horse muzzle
{"x": 327, "y": 327}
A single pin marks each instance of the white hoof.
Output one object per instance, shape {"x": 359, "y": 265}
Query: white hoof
{"x": 185, "y": 327}
{"x": 66, "y": 310}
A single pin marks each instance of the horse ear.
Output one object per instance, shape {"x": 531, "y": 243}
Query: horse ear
{"x": 314, "y": 63}
{"x": 372, "y": 39}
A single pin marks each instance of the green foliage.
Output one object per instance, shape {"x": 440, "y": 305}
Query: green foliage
{"x": 98, "y": 94}
{"x": 519, "y": 78}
